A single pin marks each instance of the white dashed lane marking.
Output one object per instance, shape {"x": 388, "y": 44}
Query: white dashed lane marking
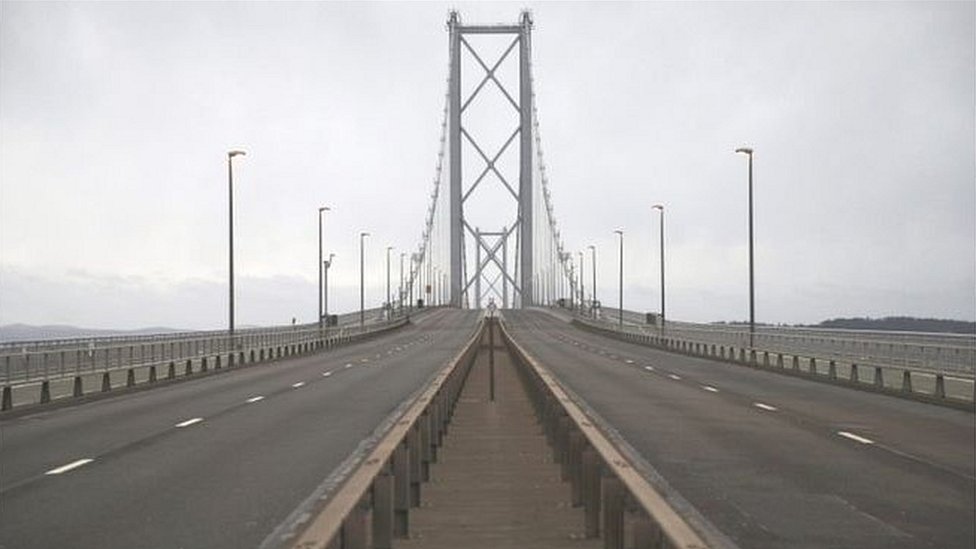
{"x": 297, "y": 385}
{"x": 674, "y": 377}
{"x": 649, "y": 368}
{"x": 69, "y": 467}
{"x": 189, "y": 422}
{"x": 255, "y": 399}
{"x": 766, "y": 407}
{"x": 854, "y": 437}
{"x": 709, "y": 388}
{"x": 326, "y": 374}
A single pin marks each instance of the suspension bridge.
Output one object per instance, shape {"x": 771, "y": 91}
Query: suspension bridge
{"x": 496, "y": 406}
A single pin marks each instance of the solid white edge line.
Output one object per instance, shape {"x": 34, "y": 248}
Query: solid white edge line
{"x": 70, "y": 466}
{"x": 709, "y": 388}
{"x": 297, "y": 385}
{"x": 255, "y": 399}
{"x": 854, "y": 437}
{"x": 189, "y": 422}
{"x": 766, "y": 407}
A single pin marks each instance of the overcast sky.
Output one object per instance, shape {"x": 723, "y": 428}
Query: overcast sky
{"x": 115, "y": 119}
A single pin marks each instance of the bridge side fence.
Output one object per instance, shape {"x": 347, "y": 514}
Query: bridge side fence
{"x": 950, "y": 386}
{"x": 45, "y": 374}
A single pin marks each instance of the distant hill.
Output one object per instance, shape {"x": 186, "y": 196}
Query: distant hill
{"x": 27, "y": 332}
{"x": 901, "y": 324}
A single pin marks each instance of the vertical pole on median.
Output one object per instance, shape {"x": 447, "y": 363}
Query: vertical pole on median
{"x": 491, "y": 351}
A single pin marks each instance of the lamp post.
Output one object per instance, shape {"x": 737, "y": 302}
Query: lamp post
{"x": 752, "y": 285}
{"x": 660, "y": 207}
{"x": 362, "y": 294}
{"x": 389, "y": 302}
{"x": 593, "y": 295}
{"x": 621, "y": 282}
{"x": 230, "y": 219}
{"x": 321, "y": 209}
{"x": 325, "y": 267}
{"x": 402, "y": 289}
{"x": 581, "y": 284}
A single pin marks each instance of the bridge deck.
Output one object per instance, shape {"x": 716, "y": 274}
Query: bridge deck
{"x": 495, "y": 484}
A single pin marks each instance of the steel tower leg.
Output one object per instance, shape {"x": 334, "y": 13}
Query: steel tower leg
{"x": 525, "y": 172}
{"x": 454, "y": 134}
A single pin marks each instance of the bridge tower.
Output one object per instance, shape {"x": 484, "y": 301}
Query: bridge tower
{"x": 491, "y": 265}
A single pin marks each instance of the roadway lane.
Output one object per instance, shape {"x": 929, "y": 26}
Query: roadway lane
{"x": 772, "y": 460}
{"x": 216, "y": 462}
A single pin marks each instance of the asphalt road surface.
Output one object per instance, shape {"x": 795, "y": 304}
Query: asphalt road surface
{"x": 775, "y": 461}
{"x": 216, "y": 462}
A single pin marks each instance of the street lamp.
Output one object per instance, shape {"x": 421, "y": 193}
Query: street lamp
{"x": 752, "y": 284}
{"x": 362, "y": 294}
{"x": 389, "y": 302}
{"x": 621, "y": 282}
{"x": 325, "y": 267}
{"x": 593, "y": 295}
{"x": 581, "y": 286}
{"x": 321, "y": 209}
{"x": 230, "y": 218}
{"x": 402, "y": 289}
{"x": 661, "y": 208}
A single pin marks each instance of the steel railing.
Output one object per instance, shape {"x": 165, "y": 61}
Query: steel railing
{"x": 945, "y": 353}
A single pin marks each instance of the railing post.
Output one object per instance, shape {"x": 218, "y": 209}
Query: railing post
{"x": 416, "y": 472}
{"x": 383, "y": 509}
{"x": 939, "y": 386}
{"x": 613, "y": 512}
{"x": 591, "y": 493}
{"x": 401, "y": 491}
{"x": 647, "y": 535}
{"x": 355, "y": 532}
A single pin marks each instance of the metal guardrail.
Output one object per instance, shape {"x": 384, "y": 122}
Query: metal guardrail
{"x": 614, "y": 495}
{"x": 371, "y": 507}
{"x": 25, "y": 362}
{"x": 946, "y": 353}
{"x": 374, "y": 501}
{"x": 178, "y": 360}
{"x": 821, "y": 368}
{"x": 16, "y": 346}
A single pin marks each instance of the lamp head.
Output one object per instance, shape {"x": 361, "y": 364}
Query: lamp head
{"x": 361, "y": 235}
{"x": 592, "y": 247}
{"x": 232, "y": 154}
{"x": 658, "y": 207}
{"x": 324, "y": 209}
{"x": 620, "y": 232}
{"x": 744, "y": 150}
